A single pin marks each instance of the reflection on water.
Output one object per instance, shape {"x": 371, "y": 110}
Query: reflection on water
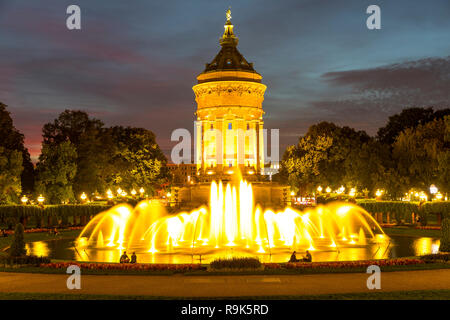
{"x": 393, "y": 247}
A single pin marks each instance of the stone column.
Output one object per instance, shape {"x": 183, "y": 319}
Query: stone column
{"x": 240, "y": 124}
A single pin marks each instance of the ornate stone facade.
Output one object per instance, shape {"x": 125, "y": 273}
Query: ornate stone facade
{"x": 229, "y": 128}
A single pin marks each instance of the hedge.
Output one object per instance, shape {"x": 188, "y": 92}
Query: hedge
{"x": 9, "y": 213}
{"x": 401, "y": 210}
{"x": 445, "y": 237}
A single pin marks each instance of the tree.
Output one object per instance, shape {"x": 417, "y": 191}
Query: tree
{"x": 408, "y": 118}
{"x": 445, "y": 236}
{"x": 138, "y": 160}
{"x": 418, "y": 152}
{"x": 18, "y": 244}
{"x": 326, "y": 155}
{"x": 93, "y": 145}
{"x": 10, "y": 175}
{"x": 444, "y": 159}
{"x": 12, "y": 139}
{"x": 56, "y": 171}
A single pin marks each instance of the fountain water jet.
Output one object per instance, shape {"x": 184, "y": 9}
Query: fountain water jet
{"x": 232, "y": 221}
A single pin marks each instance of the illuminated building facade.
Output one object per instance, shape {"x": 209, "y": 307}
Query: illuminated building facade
{"x": 229, "y": 127}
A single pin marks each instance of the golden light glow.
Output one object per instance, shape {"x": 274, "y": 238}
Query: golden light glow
{"x": 133, "y": 192}
{"x": 40, "y": 199}
{"x": 24, "y": 199}
{"x": 328, "y": 189}
{"x": 83, "y": 196}
{"x": 319, "y": 188}
{"x": 231, "y": 220}
{"x": 352, "y": 192}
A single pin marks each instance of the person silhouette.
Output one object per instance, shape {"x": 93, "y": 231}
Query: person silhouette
{"x": 307, "y": 257}
{"x": 124, "y": 258}
{"x": 294, "y": 257}
{"x": 133, "y": 258}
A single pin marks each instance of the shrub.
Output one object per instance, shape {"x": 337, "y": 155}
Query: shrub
{"x": 18, "y": 244}
{"x": 445, "y": 236}
{"x": 236, "y": 263}
{"x": 29, "y": 260}
{"x": 436, "y": 257}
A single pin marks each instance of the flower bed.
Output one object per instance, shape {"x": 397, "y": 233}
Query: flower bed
{"x": 37, "y": 230}
{"x": 268, "y": 266}
{"x": 429, "y": 227}
{"x": 344, "y": 264}
{"x": 126, "y": 266}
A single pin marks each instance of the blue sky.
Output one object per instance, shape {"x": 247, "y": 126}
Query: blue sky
{"x": 134, "y": 62}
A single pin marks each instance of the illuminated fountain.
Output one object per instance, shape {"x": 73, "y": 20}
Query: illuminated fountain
{"x": 231, "y": 223}
{"x": 230, "y": 138}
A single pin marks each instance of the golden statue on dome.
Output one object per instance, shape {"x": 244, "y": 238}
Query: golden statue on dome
{"x": 228, "y": 14}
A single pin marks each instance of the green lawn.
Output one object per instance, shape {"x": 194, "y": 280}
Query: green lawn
{"x": 395, "y": 295}
{"x": 412, "y": 232}
{"x": 39, "y": 236}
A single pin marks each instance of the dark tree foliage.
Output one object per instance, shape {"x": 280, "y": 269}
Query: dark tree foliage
{"x": 138, "y": 161}
{"x": 107, "y": 157}
{"x": 93, "y": 146}
{"x": 56, "y": 171}
{"x": 408, "y": 118}
{"x": 18, "y": 244}
{"x": 11, "y": 139}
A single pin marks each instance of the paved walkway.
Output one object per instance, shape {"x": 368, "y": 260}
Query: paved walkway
{"x": 225, "y": 286}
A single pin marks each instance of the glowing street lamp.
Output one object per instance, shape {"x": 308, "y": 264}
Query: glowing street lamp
{"x": 439, "y": 196}
{"x": 352, "y": 192}
{"x": 423, "y": 196}
{"x": 41, "y": 199}
{"x": 319, "y": 188}
{"x": 83, "y": 197}
{"x": 119, "y": 191}
{"x": 379, "y": 192}
{"x": 169, "y": 194}
{"x": 341, "y": 190}
{"x": 141, "y": 191}
{"x": 328, "y": 189}
{"x": 433, "y": 189}
{"x": 133, "y": 192}
{"x": 24, "y": 199}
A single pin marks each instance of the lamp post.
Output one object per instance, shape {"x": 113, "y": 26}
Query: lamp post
{"x": 83, "y": 197}
{"x": 41, "y": 199}
{"x": 379, "y": 193}
{"x": 352, "y": 192}
{"x": 24, "y": 200}
{"x": 433, "y": 189}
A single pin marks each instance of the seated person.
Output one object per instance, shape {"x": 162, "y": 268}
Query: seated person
{"x": 124, "y": 258}
{"x": 133, "y": 258}
{"x": 293, "y": 257}
{"x": 307, "y": 257}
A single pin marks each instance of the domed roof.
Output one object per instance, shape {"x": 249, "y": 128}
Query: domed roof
{"x": 229, "y": 58}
